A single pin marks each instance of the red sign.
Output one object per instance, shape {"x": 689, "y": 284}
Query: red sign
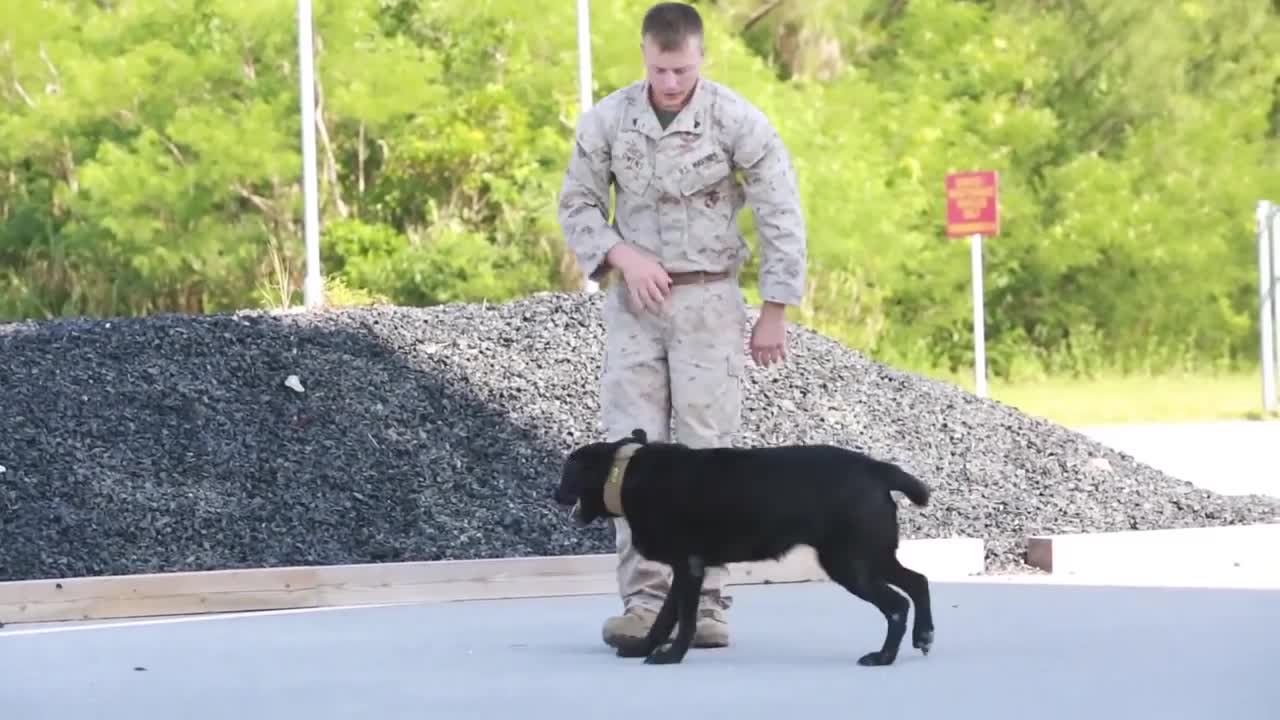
{"x": 973, "y": 203}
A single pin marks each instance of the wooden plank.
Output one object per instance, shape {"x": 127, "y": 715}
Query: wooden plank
{"x": 1170, "y": 553}
{"x": 237, "y": 590}
{"x": 450, "y": 580}
{"x": 91, "y": 598}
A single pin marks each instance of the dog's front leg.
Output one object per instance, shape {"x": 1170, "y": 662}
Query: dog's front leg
{"x": 659, "y": 631}
{"x": 686, "y": 586}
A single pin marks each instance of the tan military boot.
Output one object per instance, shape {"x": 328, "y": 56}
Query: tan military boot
{"x": 628, "y": 628}
{"x": 712, "y": 629}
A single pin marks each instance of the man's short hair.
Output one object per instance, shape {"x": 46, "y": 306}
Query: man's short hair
{"x": 671, "y": 24}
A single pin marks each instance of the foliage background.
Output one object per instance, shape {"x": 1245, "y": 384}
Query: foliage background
{"x": 149, "y": 160}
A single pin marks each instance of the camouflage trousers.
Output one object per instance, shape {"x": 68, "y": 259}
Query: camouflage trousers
{"x": 677, "y": 374}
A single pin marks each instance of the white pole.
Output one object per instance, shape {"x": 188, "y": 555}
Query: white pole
{"x": 1273, "y": 250}
{"x": 1273, "y": 244}
{"x": 979, "y": 324}
{"x": 313, "y": 286}
{"x": 584, "y": 55}
{"x": 1266, "y": 307}
{"x": 585, "y": 100}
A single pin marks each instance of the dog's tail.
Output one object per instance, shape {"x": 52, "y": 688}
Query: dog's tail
{"x": 904, "y": 482}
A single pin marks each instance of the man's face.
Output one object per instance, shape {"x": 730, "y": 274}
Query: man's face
{"x": 673, "y": 74}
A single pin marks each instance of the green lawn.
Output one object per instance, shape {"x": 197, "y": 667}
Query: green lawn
{"x": 1132, "y": 399}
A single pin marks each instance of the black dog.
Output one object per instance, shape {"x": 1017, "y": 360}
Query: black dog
{"x": 695, "y": 508}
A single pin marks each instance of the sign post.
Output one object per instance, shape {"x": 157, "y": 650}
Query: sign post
{"x": 973, "y": 211}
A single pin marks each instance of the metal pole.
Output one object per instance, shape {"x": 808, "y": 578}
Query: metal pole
{"x": 1273, "y": 245}
{"x": 584, "y": 55}
{"x": 313, "y": 286}
{"x": 979, "y": 323}
{"x": 585, "y": 100}
{"x": 1267, "y": 312}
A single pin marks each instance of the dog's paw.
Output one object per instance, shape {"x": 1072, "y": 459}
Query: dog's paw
{"x": 876, "y": 659}
{"x": 665, "y": 656}
{"x": 922, "y": 641}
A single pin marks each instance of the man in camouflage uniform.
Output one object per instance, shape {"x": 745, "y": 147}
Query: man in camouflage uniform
{"x": 676, "y": 318}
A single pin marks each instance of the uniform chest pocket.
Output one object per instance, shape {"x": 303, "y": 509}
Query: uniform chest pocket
{"x": 705, "y": 178}
{"x": 632, "y": 167}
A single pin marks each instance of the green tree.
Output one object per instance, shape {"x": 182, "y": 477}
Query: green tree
{"x": 149, "y": 160}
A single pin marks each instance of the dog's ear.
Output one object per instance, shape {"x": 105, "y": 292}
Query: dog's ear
{"x": 575, "y": 465}
{"x": 639, "y": 435}
{"x": 572, "y": 464}
{"x": 578, "y": 465}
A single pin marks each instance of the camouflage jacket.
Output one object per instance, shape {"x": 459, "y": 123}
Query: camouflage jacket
{"x": 678, "y": 196}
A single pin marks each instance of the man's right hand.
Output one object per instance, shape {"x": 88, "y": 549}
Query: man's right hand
{"x": 647, "y": 283}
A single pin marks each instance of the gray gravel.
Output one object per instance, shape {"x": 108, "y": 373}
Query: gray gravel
{"x": 176, "y": 443}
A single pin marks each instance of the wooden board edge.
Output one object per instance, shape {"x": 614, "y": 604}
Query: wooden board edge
{"x": 1113, "y": 551}
{"x": 301, "y": 587}
{"x": 1040, "y": 553}
{"x": 1162, "y": 533}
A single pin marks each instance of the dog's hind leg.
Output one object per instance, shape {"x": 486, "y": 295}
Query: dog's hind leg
{"x": 916, "y": 586}
{"x": 686, "y": 586}
{"x": 856, "y": 576}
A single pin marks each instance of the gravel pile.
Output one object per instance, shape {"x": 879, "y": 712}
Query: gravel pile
{"x": 394, "y": 434}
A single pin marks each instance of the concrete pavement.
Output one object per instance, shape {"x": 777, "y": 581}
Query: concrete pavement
{"x": 1002, "y": 651}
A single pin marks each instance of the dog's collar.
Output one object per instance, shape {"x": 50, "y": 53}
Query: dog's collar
{"x": 613, "y": 483}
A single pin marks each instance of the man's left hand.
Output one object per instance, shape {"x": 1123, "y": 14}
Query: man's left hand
{"x": 769, "y": 336}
